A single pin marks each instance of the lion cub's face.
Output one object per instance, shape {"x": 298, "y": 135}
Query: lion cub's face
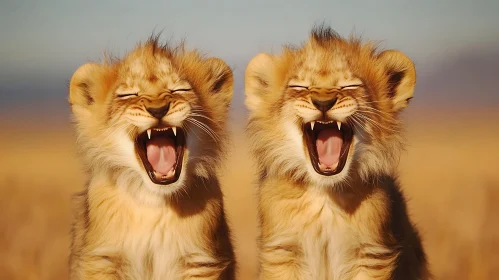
{"x": 327, "y": 109}
{"x": 154, "y": 117}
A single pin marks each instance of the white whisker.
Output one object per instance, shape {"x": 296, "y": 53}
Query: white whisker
{"x": 191, "y": 130}
{"x": 357, "y": 122}
{"x": 203, "y": 116}
{"x": 387, "y": 118}
{"x": 204, "y": 128}
{"x": 373, "y": 122}
{"x": 370, "y": 108}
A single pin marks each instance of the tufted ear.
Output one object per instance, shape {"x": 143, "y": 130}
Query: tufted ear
{"x": 401, "y": 77}
{"x": 89, "y": 85}
{"x": 257, "y": 79}
{"x": 221, "y": 80}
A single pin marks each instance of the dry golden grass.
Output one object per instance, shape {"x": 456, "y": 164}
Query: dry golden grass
{"x": 450, "y": 175}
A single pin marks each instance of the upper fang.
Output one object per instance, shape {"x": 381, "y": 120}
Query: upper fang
{"x": 312, "y": 125}
{"x": 174, "y": 130}
{"x": 339, "y": 125}
{"x": 149, "y": 134}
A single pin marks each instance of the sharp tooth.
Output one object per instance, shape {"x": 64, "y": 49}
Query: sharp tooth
{"x": 339, "y": 125}
{"x": 170, "y": 173}
{"x": 312, "y": 125}
{"x": 174, "y": 130}
{"x": 149, "y": 134}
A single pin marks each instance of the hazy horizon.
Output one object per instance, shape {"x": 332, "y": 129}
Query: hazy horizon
{"x": 454, "y": 44}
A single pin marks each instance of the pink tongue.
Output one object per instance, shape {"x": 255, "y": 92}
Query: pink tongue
{"x": 161, "y": 154}
{"x": 328, "y": 144}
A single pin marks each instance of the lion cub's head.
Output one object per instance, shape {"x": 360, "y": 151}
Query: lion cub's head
{"x": 328, "y": 109}
{"x": 154, "y": 118}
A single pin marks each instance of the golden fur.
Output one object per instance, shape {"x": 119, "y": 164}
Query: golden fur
{"x": 125, "y": 226}
{"x": 352, "y": 225}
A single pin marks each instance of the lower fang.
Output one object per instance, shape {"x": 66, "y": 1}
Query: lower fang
{"x": 170, "y": 173}
{"x": 165, "y": 176}
{"x": 324, "y": 167}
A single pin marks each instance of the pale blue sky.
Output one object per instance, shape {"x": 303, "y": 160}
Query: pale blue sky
{"x": 43, "y": 42}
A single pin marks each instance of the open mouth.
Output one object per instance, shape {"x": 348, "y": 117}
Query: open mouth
{"x": 162, "y": 152}
{"x": 328, "y": 145}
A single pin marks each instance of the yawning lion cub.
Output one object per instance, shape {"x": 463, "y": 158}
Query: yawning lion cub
{"x": 151, "y": 130}
{"x": 325, "y": 131}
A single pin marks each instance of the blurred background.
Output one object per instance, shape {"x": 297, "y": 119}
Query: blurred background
{"x": 450, "y": 171}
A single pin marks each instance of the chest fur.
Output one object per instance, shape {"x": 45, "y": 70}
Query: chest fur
{"x": 331, "y": 241}
{"x": 148, "y": 242}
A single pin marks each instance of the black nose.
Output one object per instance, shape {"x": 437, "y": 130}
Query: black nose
{"x": 159, "y": 112}
{"x": 324, "y": 105}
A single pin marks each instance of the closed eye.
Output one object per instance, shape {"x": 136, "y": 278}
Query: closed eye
{"x": 297, "y": 87}
{"x": 351, "y": 86}
{"x": 180, "y": 90}
{"x": 125, "y": 95}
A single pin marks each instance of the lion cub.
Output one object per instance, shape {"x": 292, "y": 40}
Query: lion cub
{"x": 325, "y": 131}
{"x": 151, "y": 130}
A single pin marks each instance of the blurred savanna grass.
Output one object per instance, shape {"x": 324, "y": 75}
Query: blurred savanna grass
{"x": 449, "y": 174}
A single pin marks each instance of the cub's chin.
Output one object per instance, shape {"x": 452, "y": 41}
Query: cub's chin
{"x": 328, "y": 145}
{"x": 161, "y": 152}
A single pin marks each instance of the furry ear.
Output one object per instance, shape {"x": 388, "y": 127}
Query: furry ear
{"x": 88, "y": 85}
{"x": 401, "y": 77}
{"x": 221, "y": 80}
{"x": 257, "y": 79}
